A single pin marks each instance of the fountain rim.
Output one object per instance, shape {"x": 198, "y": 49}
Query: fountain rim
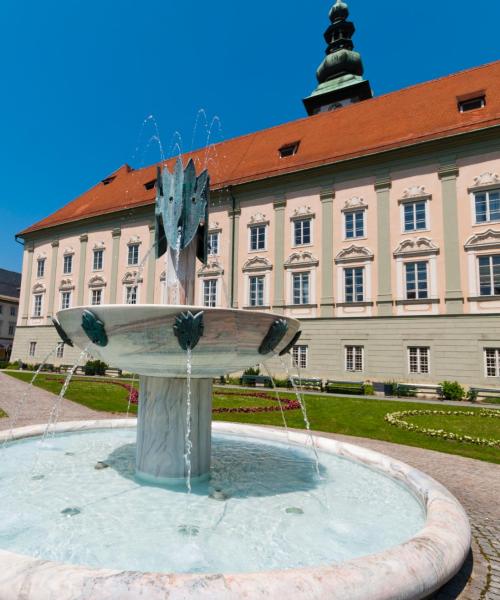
{"x": 410, "y": 568}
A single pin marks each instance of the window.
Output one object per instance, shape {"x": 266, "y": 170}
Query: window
{"x": 12, "y": 328}
{"x": 258, "y": 237}
{"x": 300, "y": 288}
{"x": 299, "y": 355}
{"x": 65, "y": 300}
{"x": 289, "y": 149}
{"x": 489, "y": 275}
{"x": 492, "y": 362}
{"x": 416, "y": 280}
{"x": 354, "y": 359}
{"x": 487, "y": 205}
{"x": 40, "y": 269}
{"x": 68, "y": 264}
{"x": 131, "y": 294}
{"x": 37, "y": 305}
{"x": 418, "y": 360}
{"x": 354, "y": 224}
{"x": 32, "y": 350}
{"x": 98, "y": 260}
{"x": 415, "y": 216}
{"x": 213, "y": 244}
{"x": 302, "y": 232}
{"x": 96, "y": 297}
{"x": 354, "y": 284}
{"x": 472, "y": 104}
{"x": 133, "y": 254}
{"x": 256, "y": 290}
{"x": 12, "y": 311}
{"x": 60, "y": 350}
{"x": 210, "y": 293}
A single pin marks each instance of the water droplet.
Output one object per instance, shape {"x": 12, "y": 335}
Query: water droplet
{"x": 101, "y": 465}
{"x": 37, "y": 477}
{"x": 189, "y": 530}
{"x": 294, "y": 510}
{"x": 69, "y": 454}
{"x": 71, "y": 511}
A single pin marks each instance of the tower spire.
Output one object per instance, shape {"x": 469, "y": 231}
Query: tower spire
{"x": 340, "y": 75}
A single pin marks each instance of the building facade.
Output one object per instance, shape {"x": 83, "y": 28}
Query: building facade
{"x": 10, "y": 285}
{"x": 376, "y": 221}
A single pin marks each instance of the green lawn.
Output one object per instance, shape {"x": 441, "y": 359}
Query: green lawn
{"x": 349, "y": 416}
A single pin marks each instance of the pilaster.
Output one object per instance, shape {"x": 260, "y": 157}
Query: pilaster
{"x": 30, "y": 249}
{"x": 383, "y": 186}
{"x": 150, "y": 290}
{"x": 279, "y": 205}
{"x": 448, "y": 173}
{"x": 115, "y": 257}
{"x": 81, "y": 272}
{"x": 234, "y": 238}
{"x": 327, "y": 306}
{"x": 52, "y": 283}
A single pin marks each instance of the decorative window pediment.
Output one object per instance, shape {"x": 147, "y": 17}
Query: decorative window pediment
{"x": 301, "y": 259}
{"x": 211, "y": 269}
{"x": 416, "y": 246}
{"x": 39, "y": 288}
{"x": 41, "y": 256}
{"x": 99, "y": 246}
{"x": 66, "y": 285}
{"x": 355, "y": 203}
{"x": 131, "y": 278}
{"x": 303, "y": 212}
{"x": 257, "y": 263}
{"x": 214, "y": 227}
{"x": 135, "y": 239}
{"x": 258, "y": 219}
{"x": 481, "y": 241}
{"x": 485, "y": 180}
{"x": 69, "y": 251}
{"x": 97, "y": 282}
{"x": 354, "y": 254}
{"x": 415, "y": 193}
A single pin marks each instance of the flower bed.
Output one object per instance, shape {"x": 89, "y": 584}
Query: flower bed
{"x": 397, "y": 419}
{"x": 279, "y": 403}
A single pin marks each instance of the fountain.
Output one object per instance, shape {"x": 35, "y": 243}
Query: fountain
{"x": 107, "y": 514}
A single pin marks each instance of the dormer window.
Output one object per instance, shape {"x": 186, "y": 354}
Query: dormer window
{"x": 472, "y": 103}
{"x": 150, "y": 184}
{"x": 108, "y": 180}
{"x": 289, "y": 149}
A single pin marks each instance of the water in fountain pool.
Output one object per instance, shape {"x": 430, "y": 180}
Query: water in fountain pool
{"x": 269, "y": 511}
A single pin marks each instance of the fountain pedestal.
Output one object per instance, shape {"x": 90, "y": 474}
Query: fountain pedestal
{"x": 161, "y": 429}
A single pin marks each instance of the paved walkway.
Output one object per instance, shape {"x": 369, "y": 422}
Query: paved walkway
{"x": 475, "y": 483}
{"x": 35, "y": 408}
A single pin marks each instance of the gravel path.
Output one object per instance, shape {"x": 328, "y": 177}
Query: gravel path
{"x": 475, "y": 483}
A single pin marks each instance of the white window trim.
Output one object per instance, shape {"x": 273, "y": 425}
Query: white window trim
{"x": 94, "y": 270}
{"x": 266, "y": 236}
{"x": 472, "y": 195}
{"x": 38, "y": 261}
{"x": 91, "y": 292}
{"x": 428, "y": 224}
{"x": 367, "y": 280}
{"x": 497, "y": 361}
{"x": 138, "y": 246}
{"x": 306, "y": 353}
{"x": 344, "y": 224}
{"x": 346, "y": 346}
{"x": 71, "y": 257}
{"x": 266, "y": 277}
{"x": 218, "y": 234}
{"x": 217, "y": 290}
{"x": 419, "y": 372}
{"x": 294, "y": 220}
{"x": 312, "y": 286}
{"x": 61, "y": 299}
{"x": 137, "y": 295}
{"x": 477, "y": 280}
{"x": 432, "y": 279}
{"x": 42, "y": 302}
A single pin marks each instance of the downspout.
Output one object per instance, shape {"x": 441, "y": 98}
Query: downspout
{"x": 233, "y": 246}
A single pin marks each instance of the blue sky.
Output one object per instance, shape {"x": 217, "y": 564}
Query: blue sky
{"x": 80, "y": 78}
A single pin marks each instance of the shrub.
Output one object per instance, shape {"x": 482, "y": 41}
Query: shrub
{"x": 369, "y": 390}
{"x": 452, "y": 390}
{"x": 3, "y": 364}
{"x": 281, "y": 383}
{"x": 95, "y": 367}
{"x": 404, "y": 391}
{"x": 252, "y": 371}
{"x": 472, "y": 395}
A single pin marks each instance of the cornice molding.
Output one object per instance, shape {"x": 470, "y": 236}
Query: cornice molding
{"x": 300, "y": 260}
{"x": 211, "y": 269}
{"x": 303, "y": 212}
{"x": 256, "y": 264}
{"x": 483, "y": 240}
{"x": 354, "y": 203}
{"x": 97, "y": 281}
{"x": 486, "y": 181}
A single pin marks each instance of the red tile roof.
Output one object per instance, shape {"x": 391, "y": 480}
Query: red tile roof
{"x": 419, "y": 113}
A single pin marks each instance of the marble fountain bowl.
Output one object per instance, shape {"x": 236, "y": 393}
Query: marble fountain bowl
{"x": 372, "y": 528}
{"x": 141, "y": 338}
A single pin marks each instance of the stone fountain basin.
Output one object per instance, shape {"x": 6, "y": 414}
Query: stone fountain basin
{"x": 141, "y": 338}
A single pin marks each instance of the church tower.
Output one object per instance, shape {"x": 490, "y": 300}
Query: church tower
{"x": 340, "y": 75}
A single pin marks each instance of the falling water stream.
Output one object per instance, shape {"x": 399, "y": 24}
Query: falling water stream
{"x": 188, "y": 442}
{"x": 131, "y": 392}
{"x": 278, "y": 398}
{"x": 24, "y": 397}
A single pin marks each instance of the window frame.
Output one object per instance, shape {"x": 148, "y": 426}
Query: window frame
{"x": 355, "y": 299}
{"x": 300, "y": 356}
{"x": 67, "y": 264}
{"x": 259, "y": 294}
{"x": 354, "y": 214}
{"x": 65, "y": 295}
{"x": 98, "y": 252}
{"x": 417, "y": 291}
{"x": 129, "y": 291}
{"x": 215, "y": 234}
{"x": 209, "y": 295}
{"x": 37, "y": 305}
{"x": 354, "y": 354}
{"x": 302, "y": 275}
{"x": 32, "y": 349}
{"x": 60, "y": 350}
{"x": 298, "y": 228}
{"x": 419, "y": 361}
{"x": 133, "y": 255}
{"x": 413, "y": 203}
{"x": 497, "y": 362}
{"x": 486, "y": 193}
{"x": 95, "y": 291}
{"x": 491, "y": 266}
{"x": 252, "y": 228}
{"x": 40, "y": 272}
